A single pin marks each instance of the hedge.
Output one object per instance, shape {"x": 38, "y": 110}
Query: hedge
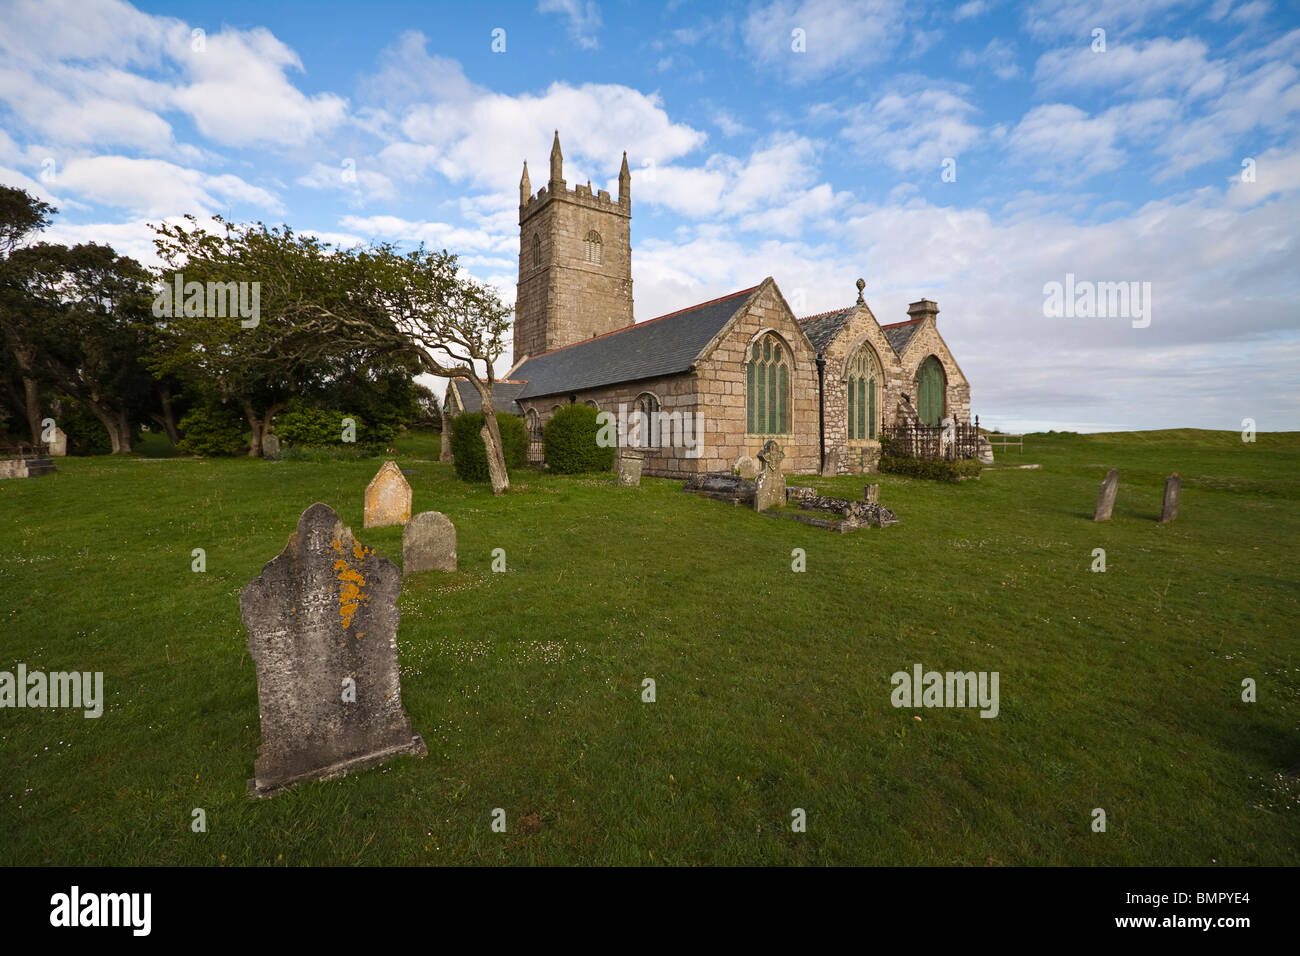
{"x": 938, "y": 469}
{"x": 570, "y": 442}
{"x": 469, "y": 455}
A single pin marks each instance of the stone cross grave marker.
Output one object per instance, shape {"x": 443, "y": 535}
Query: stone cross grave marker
{"x": 1173, "y": 489}
{"x": 769, "y": 489}
{"x": 428, "y": 543}
{"x": 388, "y": 498}
{"x": 1106, "y": 500}
{"x": 322, "y": 630}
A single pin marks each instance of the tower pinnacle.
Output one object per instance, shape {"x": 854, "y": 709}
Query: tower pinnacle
{"x": 557, "y": 161}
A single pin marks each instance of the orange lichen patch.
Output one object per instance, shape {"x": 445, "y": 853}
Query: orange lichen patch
{"x": 351, "y": 596}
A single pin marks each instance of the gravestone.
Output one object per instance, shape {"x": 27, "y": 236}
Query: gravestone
{"x": 270, "y": 446}
{"x": 59, "y": 445}
{"x": 747, "y": 467}
{"x": 1173, "y": 489}
{"x": 1106, "y": 500}
{"x": 388, "y": 498}
{"x": 444, "y": 442}
{"x": 428, "y": 543}
{"x": 831, "y": 466}
{"x": 629, "y": 469}
{"x": 769, "y": 489}
{"x": 871, "y": 494}
{"x": 322, "y": 629}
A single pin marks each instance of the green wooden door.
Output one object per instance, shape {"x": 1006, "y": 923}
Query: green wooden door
{"x": 929, "y": 387}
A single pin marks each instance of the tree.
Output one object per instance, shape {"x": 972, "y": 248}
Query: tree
{"x": 420, "y": 304}
{"x": 82, "y": 314}
{"x": 320, "y": 303}
{"x": 21, "y": 215}
{"x": 257, "y": 361}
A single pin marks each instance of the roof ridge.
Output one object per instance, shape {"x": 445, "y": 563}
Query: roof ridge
{"x": 822, "y": 315}
{"x": 637, "y": 325}
{"x": 894, "y": 325}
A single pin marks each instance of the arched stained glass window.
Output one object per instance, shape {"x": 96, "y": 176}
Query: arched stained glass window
{"x": 767, "y": 387}
{"x": 863, "y": 394}
{"x": 641, "y": 430}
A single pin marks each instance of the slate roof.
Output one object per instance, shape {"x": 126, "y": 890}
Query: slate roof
{"x": 900, "y": 333}
{"x": 503, "y": 396}
{"x": 663, "y": 346}
{"x": 824, "y": 326}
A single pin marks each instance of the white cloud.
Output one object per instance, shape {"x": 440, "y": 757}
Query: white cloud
{"x": 970, "y": 10}
{"x": 433, "y": 234}
{"x": 998, "y": 55}
{"x": 583, "y": 17}
{"x": 1158, "y": 66}
{"x": 154, "y": 187}
{"x": 911, "y": 131}
{"x": 839, "y": 35}
{"x": 1054, "y": 19}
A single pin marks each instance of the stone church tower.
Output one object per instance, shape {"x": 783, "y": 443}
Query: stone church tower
{"x": 575, "y": 261}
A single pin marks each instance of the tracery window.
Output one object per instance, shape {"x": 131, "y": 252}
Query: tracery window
{"x": 863, "y": 394}
{"x": 593, "y": 249}
{"x": 767, "y": 387}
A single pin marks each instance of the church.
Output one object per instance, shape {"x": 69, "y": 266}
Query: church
{"x": 743, "y": 366}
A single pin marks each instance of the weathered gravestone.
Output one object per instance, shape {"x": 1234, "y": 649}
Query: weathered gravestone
{"x": 1173, "y": 489}
{"x": 388, "y": 498}
{"x": 629, "y": 469}
{"x": 871, "y": 494}
{"x": 428, "y": 543}
{"x": 322, "y": 629}
{"x": 831, "y": 466}
{"x": 1106, "y": 500}
{"x": 746, "y": 467}
{"x": 769, "y": 489}
{"x": 270, "y": 446}
{"x": 59, "y": 444}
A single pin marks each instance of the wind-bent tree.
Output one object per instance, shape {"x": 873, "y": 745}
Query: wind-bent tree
{"x": 84, "y": 318}
{"x": 318, "y": 303}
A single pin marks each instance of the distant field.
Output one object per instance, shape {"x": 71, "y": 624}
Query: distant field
{"x": 1119, "y": 690}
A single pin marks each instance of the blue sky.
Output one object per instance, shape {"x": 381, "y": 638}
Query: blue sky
{"x": 398, "y": 121}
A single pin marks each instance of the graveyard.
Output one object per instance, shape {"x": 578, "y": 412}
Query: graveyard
{"x": 1120, "y": 688}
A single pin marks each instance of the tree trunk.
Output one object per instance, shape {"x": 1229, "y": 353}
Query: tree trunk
{"x": 491, "y": 432}
{"x": 168, "y": 417}
{"x": 115, "y": 423}
{"x": 32, "y": 398}
{"x": 255, "y": 443}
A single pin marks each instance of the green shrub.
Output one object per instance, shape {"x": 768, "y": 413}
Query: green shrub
{"x": 469, "y": 456}
{"x": 570, "y": 442}
{"x": 937, "y": 469}
{"x": 213, "y": 430}
{"x": 303, "y": 424}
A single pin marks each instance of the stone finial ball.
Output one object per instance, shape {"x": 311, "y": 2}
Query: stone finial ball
{"x": 861, "y": 284}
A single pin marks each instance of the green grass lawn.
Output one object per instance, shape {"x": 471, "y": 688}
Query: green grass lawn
{"x": 1119, "y": 690}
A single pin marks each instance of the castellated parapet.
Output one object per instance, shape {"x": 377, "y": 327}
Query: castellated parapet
{"x": 575, "y": 261}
